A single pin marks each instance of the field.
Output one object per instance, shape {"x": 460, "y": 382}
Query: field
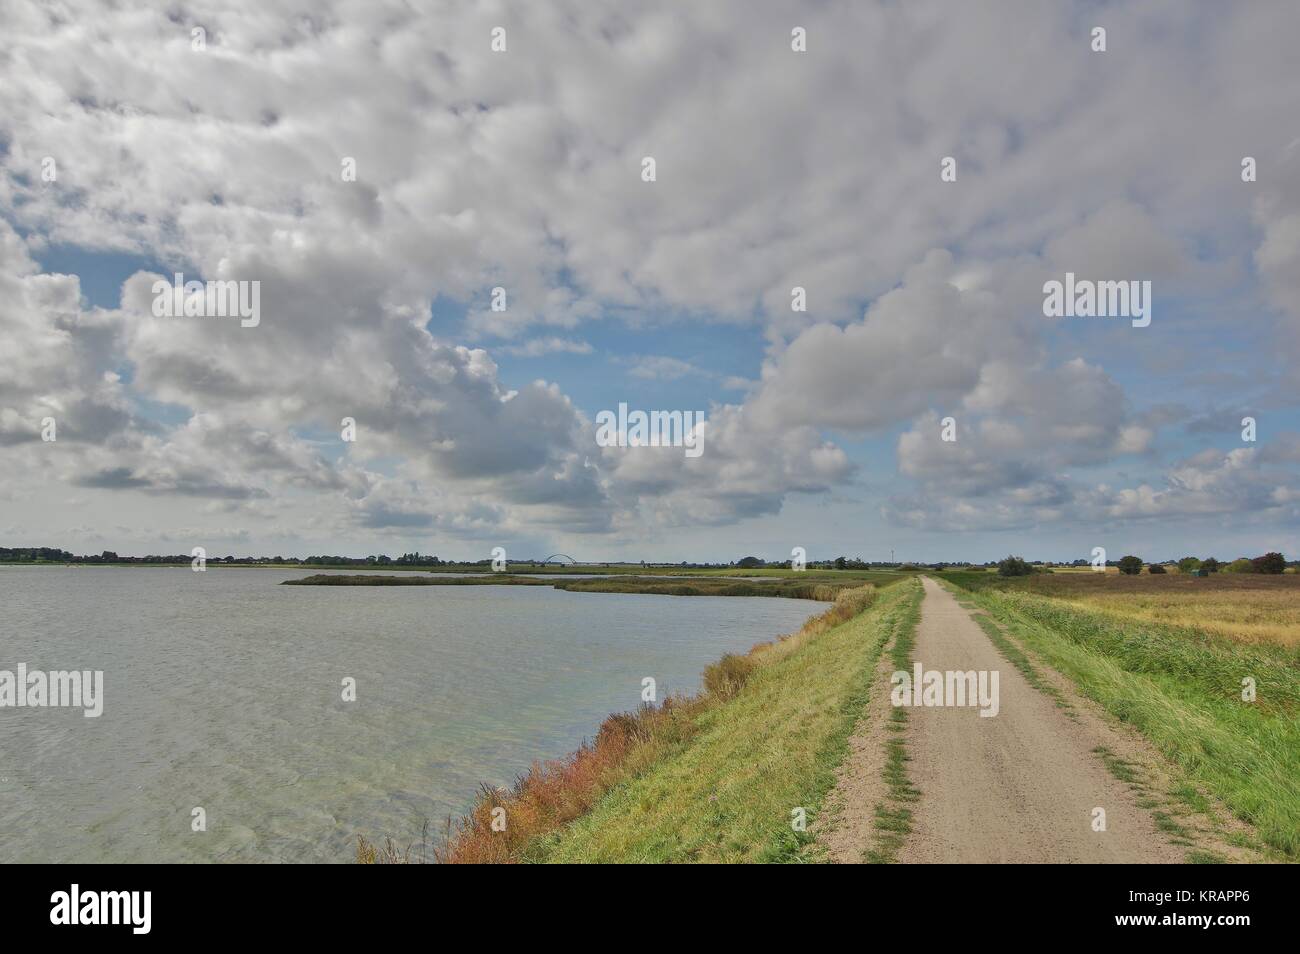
{"x": 1176, "y": 657}
{"x": 1243, "y": 606}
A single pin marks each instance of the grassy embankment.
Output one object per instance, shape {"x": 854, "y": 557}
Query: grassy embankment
{"x": 796, "y": 586}
{"x": 714, "y": 777}
{"x": 1169, "y": 656}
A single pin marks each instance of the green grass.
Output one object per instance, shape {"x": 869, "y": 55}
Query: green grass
{"x": 1131, "y": 774}
{"x": 727, "y": 794}
{"x": 1013, "y": 654}
{"x": 893, "y": 821}
{"x": 1182, "y": 689}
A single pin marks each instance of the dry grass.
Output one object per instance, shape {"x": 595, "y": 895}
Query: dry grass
{"x": 503, "y": 823}
{"x": 1086, "y": 570}
{"x": 1252, "y": 608}
{"x": 728, "y": 675}
{"x": 1264, "y": 617}
{"x": 554, "y": 793}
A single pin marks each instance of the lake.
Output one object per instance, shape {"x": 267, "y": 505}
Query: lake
{"x": 223, "y": 690}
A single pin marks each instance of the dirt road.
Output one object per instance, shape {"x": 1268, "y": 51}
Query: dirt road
{"x": 1020, "y": 786}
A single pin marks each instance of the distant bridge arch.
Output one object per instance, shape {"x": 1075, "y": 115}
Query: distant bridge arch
{"x": 560, "y": 558}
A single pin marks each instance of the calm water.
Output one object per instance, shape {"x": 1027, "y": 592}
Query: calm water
{"x": 223, "y": 690}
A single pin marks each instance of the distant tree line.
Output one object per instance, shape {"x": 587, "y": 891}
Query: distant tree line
{"x": 1272, "y": 562}
{"x": 839, "y": 563}
{"x": 56, "y": 555}
{"x": 1131, "y": 565}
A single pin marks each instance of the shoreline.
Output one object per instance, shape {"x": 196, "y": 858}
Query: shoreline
{"x": 824, "y": 591}
{"x": 508, "y": 826}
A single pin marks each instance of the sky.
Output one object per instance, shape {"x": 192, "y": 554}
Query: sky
{"x": 381, "y": 169}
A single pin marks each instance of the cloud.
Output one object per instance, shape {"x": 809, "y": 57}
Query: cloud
{"x": 57, "y": 359}
{"x": 1244, "y": 483}
{"x": 521, "y": 170}
{"x": 1276, "y": 212}
{"x": 745, "y": 470}
{"x": 663, "y": 368}
{"x": 1208, "y": 483}
{"x": 1120, "y": 240}
{"x": 537, "y": 347}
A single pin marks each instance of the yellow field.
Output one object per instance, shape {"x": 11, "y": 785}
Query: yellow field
{"x": 1248, "y": 607}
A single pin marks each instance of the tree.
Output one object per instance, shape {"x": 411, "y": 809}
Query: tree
{"x": 1269, "y": 563}
{"x": 1210, "y": 565}
{"x": 1188, "y": 564}
{"x": 1130, "y": 565}
{"x": 749, "y": 562}
{"x": 1240, "y": 565}
{"x": 1156, "y": 568}
{"x": 1014, "y": 566}
{"x": 839, "y": 563}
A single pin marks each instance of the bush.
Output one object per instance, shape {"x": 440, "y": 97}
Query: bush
{"x": 1269, "y": 563}
{"x": 1014, "y": 566}
{"x": 1188, "y": 564}
{"x": 1210, "y": 565}
{"x": 1130, "y": 565}
{"x": 1156, "y": 568}
{"x": 725, "y": 677}
{"x": 1241, "y": 565}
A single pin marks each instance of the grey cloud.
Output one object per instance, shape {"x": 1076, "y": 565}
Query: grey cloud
{"x": 474, "y": 170}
